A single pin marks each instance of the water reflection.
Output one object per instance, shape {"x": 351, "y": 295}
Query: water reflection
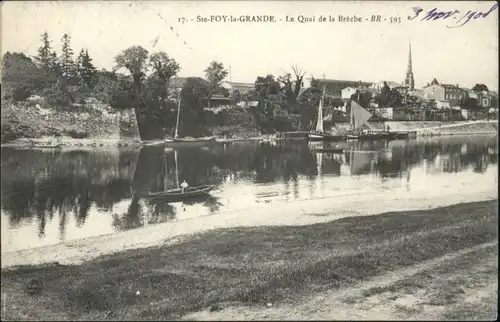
{"x": 70, "y": 195}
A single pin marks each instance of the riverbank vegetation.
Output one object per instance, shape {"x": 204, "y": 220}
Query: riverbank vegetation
{"x": 246, "y": 266}
{"x": 147, "y": 83}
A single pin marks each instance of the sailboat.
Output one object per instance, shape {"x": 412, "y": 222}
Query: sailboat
{"x": 176, "y": 140}
{"x": 319, "y": 134}
{"x": 179, "y": 194}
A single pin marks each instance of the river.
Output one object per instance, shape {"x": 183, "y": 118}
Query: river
{"x": 50, "y": 197}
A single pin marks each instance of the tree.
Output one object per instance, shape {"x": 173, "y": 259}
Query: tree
{"x": 215, "y": 74}
{"x": 299, "y": 77}
{"x": 194, "y": 94}
{"x": 265, "y": 86}
{"x": 135, "y": 59}
{"x": 164, "y": 68}
{"x": 44, "y": 52}
{"x": 235, "y": 97}
{"x": 480, "y": 88}
{"x": 315, "y": 83}
{"x": 363, "y": 98}
{"x": 86, "y": 71}
{"x": 66, "y": 62}
{"x": 286, "y": 87}
{"x": 21, "y": 77}
{"x": 383, "y": 98}
{"x": 469, "y": 103}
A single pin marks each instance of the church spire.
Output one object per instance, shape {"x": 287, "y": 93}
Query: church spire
{"x": 409, "y": 80}
{"x": 409, "y": 69}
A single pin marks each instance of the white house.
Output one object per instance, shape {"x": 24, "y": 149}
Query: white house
{"x": 385, "y": 112}
{"x": 347, "y": 92}
{"x": 442, "y": 105}
{"x": 243, "y": 88}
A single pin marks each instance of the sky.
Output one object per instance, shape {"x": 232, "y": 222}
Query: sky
{"x": 364, "y": 50}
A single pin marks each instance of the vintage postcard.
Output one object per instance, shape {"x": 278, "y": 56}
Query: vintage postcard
{"x": 249, "y": 160}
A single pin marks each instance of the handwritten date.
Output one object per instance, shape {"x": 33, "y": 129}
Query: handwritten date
{"x": 436, "y": 14}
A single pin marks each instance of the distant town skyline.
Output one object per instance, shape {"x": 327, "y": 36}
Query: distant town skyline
{"x": 349, "y": 51}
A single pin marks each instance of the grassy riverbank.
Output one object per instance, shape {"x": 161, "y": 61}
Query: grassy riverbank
{"x": 247, "y": 267}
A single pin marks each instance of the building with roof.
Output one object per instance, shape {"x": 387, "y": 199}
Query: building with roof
{"x": 177, "y": 83}
{"x": 334, "y": 87}
{"x": 347, "y": 92}
{"x": 377, "y": 86}
{"x": 242, "y": 88}
{"x": 445, "y": 92}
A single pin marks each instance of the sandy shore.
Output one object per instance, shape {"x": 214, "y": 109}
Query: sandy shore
{"x": 295, "y": 213}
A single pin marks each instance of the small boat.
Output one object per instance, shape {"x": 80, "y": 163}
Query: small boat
{"x": 180, "y": 194}
{"x": 317, "y": 136}
{"x": 327, "y": 150}
{"x": 208, "y": 140}
{"x": 47, "y": 146}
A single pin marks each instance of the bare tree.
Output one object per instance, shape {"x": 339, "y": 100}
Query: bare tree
{"x": 299, "y": 77}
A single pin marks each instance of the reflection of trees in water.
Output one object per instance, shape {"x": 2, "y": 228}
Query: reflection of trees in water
{"x": 132, "y": 218}
{"x": 153, "y": 211}
{"x": 454, "y": 156}
{"x": 210, "y": 202}
{"x": 42, "y": 184}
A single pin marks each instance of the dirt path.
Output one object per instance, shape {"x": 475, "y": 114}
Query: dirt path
{"x": 460, "y": 285}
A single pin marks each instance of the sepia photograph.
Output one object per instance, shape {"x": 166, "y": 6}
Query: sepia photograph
{"x": 249, "y": 160}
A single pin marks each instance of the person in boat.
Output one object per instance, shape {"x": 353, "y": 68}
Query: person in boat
{"x": 184, "y": 185}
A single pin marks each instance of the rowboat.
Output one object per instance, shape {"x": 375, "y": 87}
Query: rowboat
{"x": 180, "y": 194}
{"x": 47, "y": 146}
{"x": 190, "y": 141}
{"x": 327, "y": 150}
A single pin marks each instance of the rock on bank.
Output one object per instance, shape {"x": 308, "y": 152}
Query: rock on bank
{"x": 79, "y": 122}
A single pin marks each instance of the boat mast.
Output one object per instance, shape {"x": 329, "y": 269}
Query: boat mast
{"x": 319, "y": 124}
{"x": 176, "y": 169}
{"x": 166, "y": 174}
{"x": 178, "y": 113}
{"x": 352, "y": 116}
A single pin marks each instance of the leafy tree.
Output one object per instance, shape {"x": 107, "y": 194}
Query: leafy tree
{"x": 480, "y": 88}
{"x": 164, "y": 67}
{"x": 287, "y": 87}
{"x": 235, "y": 97}
{"x": 315, "y": 83}
{"x": 265, "y": 86}
{"x": 215, "y": 74}
{"x": 388, "y": 97}
{"x": 363, "y": 98}
{"x": 20, "y": 77}
{"x": 395, "y": 98}
{"x": 194, "y": 94}
{"x": 135, "y": 60}
{"x": 469, "y": 103}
